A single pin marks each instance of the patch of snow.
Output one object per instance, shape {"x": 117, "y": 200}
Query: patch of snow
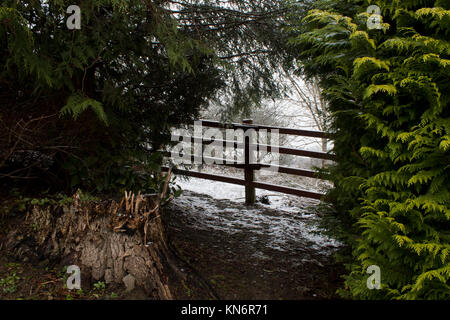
{"x": 283, "y": 227}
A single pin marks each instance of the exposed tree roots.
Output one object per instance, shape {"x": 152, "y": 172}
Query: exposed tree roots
{"x": 107, "y": 240}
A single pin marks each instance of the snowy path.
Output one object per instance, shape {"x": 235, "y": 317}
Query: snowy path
{"x": 278, "y": 245}
{"x": 292, "y": 222}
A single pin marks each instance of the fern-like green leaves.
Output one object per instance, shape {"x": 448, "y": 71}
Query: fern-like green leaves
{"x": 389, "y": 93}
{"x": 77, "y": 104}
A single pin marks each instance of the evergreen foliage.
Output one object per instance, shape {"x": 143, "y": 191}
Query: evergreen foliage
{"x": 389, "y": 92}
{"x": 103, "y": 98}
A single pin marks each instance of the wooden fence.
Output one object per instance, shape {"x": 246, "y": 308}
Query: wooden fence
{"x": 249, "y": 178}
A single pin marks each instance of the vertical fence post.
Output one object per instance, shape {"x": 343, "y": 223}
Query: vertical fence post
{"x": 250, "y": 194}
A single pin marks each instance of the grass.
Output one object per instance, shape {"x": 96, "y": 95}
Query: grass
{"x": 9, "y": 283}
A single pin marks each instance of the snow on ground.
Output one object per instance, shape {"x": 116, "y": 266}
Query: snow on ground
{"x": 287, "y": 223}
{"x": 236, "y": 193}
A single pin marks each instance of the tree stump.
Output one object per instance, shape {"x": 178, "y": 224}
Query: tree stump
{"x": 108, "y": 240}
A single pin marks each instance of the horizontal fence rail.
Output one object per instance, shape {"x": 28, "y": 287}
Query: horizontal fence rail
{"x": 268, "y": 148}
{"x": 249, "y": 167}
{"x": 288, "y": 131}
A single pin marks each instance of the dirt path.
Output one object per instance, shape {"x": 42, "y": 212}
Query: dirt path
{"x": 252, "y": 252}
